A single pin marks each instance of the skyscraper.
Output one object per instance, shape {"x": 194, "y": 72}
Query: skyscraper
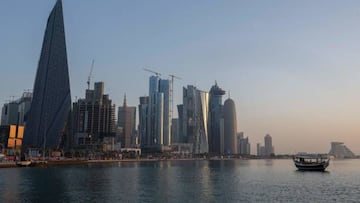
{"x": 268, "y": 145}
{"x": 215, "y": 116}
{"x": 230, "y": 127}
{"x": 126, "y": 120}
{"x": 51, "y": 103}
{"x": 159, "y": 117}
{"x": 243, "y": 144}
{"x": 195, "y": 118}
{"x": 143, "y": 122}
{"x": 156, "y": 113}
{"x": 164, "y": 87}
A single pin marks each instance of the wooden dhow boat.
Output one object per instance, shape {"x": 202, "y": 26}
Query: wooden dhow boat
{"x": 311, "y": 162}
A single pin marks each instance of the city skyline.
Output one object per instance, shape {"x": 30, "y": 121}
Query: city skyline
{"x": 297, "y": 82}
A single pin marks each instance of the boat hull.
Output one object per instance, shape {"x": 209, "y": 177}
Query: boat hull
{"x": 312, "y": 167}
{"x": 23, "y": 163}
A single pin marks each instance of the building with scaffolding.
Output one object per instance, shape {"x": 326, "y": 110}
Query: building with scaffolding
{"x": 94, "y": 120}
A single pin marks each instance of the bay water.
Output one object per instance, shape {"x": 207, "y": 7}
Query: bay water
{"x": 183, "y": 181}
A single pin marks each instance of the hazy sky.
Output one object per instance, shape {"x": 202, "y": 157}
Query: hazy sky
{"x": 292, "y": 67}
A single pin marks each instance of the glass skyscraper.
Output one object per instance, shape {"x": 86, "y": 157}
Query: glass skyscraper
{"x": 215, "y": 117}
{"x": 195, "y": 118}
{"x": 51, "y": 103}
{"x": 159, "y": 118}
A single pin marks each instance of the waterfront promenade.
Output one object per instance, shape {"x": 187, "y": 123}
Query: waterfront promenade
{"x": 10, "y": 164}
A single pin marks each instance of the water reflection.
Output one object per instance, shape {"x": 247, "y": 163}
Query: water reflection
{"x": 182, "y": 181}
{"x": 10, "y": 185}
{"x": 269, "y": 162}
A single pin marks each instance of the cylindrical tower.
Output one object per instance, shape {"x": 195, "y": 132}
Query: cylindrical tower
{"x": 230, "y": 127}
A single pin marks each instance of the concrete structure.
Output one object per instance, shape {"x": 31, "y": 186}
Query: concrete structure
{"x": 215, "y": 116}
{"x": 127, "y": 121}
{"x": 195, "y": 118}
{"x": 94, "y": 116}
{"x": 47, "y": 123}
{"x": 230, "y": 127}
{"x": 340, "y": 151}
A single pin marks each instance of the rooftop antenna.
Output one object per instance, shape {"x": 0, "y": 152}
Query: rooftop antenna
{"x": 90, "y": 74}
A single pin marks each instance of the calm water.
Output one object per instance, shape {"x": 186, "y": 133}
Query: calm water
{"x": 183, "y": 181}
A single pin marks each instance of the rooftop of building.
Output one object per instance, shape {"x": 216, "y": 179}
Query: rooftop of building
{"x": 216, "y": 90}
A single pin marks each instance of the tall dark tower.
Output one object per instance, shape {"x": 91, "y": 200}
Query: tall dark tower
{"x": 50, "y": 106}
{"x": 230, "y": 128}
{"x": 215, "y": 116}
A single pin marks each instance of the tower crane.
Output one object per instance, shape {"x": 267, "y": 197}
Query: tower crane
{"x": 90, "y": 74}
{"x": 151, "y": 71}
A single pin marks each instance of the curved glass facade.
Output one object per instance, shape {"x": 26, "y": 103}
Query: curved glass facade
{"x": 51, "y": 103}
{"x": 195, "y": 118}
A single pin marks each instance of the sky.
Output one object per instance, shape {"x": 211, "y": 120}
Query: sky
{"x": 292, "y": 67}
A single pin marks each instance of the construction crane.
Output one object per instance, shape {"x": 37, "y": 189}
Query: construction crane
{"x": 90, "y": 74}
{"x": 172, "y": 93}
{"x": 151, "y": 71}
